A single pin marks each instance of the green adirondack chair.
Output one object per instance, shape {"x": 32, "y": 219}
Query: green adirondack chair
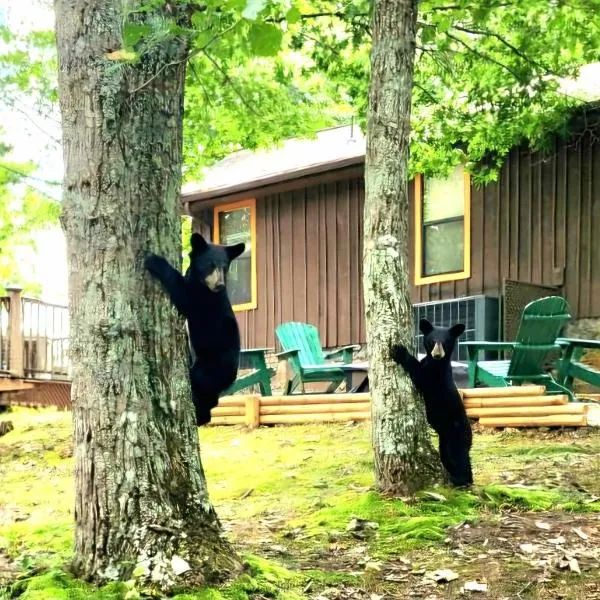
{"x": 541, "y": 323}
{"x": 302, "y": 349}
{"x": 260, "y": 374}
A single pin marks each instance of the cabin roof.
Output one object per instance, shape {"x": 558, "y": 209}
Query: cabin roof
{"x": 330, "y": 149}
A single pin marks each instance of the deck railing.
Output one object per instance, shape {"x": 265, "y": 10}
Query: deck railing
{"x": 34, "y": 337}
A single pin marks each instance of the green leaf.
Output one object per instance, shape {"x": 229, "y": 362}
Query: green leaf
{"x": 133, "y": 33}
{"x": 293, "y": 15}
{"x": 265, "y": 39}
{"x": 253, "y": 7}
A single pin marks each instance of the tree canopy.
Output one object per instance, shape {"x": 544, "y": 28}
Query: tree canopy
{"x": 487, "y": 76}
{"x": 23, "y": 210}
{"x": 27, "y": 202}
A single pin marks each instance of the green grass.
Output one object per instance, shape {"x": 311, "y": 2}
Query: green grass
{"x": 295, "y": 487}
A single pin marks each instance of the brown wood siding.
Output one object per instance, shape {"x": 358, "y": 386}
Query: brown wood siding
{"x": 537, "y": 223}
{"x": 309, "y": 257}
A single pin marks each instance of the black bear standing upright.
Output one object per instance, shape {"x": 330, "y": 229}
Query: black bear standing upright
{"x": 201, "y": 297}
{"x": 445, "y": 410}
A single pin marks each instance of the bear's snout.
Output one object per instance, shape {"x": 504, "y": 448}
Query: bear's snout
{"x": 438, "y": 351}
{"x": 216, "y": 280}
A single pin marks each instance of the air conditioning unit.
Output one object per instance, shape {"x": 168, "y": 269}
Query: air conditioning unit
{"x": 480, "y": 314}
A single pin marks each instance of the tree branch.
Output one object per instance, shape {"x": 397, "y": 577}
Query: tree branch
{"x": 10, "y": 102}
{"x": 333, "y": 14}
{"x": 227, "y": 80}
{"x": 505, "y": 42}
{"x": 188, "y": 56}
{"x": 433, "y": 99}
{"x": 485, "y": 56}
{"x": 25, "y": 176}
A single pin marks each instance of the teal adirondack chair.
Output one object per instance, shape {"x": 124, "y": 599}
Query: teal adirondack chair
{"x": 541, "y": 323}
{"x": 302, "y": 349}
{"x": 259, "y": 373}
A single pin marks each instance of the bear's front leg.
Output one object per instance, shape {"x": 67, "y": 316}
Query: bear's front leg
{"x": 401, "y": 356}
{"x": 171, "y": 280}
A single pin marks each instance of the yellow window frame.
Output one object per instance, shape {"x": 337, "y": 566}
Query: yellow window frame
{"x": 465, "y": 273}
{"x": 251, "y": 204}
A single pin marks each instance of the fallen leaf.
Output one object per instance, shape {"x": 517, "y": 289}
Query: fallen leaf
{"x": 434, "y": 496}
{"x": 442, "y": 576}
{"x": 361, "y": 524}
{"x": 557, "y": 540}
{"x": 396, "y": 577}
{"x": 527, "y": 548}
{"x": 246, "y": 493}
{"x": 179, "y": 565}
{"x": 574, "y": 565}
{"x": 542, "y": 525}
{"x": 373, "y": 567}
{"x": 475, "y": 586}
{"x": 580, "y": 533}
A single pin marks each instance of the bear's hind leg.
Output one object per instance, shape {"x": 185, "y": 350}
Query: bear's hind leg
{"x": 204, "y": 395}
{"x": 455, "y": 458}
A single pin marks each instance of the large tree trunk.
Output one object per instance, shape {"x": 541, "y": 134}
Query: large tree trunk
{"x": 405, "y": 460}
{"x": 141, "y": 496}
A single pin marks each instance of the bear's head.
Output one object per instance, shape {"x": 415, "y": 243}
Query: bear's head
{"x": 209, "y": 263}
{"x": 439, "y": 342}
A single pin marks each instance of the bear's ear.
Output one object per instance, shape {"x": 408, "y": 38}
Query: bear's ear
{"x": 235, "y": 250}
{"x": 457, "y": 330}
{"x": 199, "y": 244}
{"x": 425, "y": 327}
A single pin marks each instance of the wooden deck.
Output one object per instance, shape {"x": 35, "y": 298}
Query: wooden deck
{"x": 34, "y": 369}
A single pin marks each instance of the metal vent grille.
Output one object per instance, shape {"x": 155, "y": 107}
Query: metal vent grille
{"x": 517, "y": 295}
{"x": 479, "y": 314}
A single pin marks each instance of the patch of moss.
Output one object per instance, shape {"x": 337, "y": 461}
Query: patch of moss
{"x": 263, "y": 578}
{"x": 530, "y": 499}
{"x": 400, "y": 525}
{"x": 556, "y": 449}
{"x": 58, "y": 585}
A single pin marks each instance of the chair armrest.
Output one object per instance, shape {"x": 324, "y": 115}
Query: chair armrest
{"x": 489, "y": 345}
{"x": 251, "y": 351}
{"x": 579, "y": 343}
{"x": 474, "y": 348}
{"x": 343, "y": 350}
{"x": 287, "y": 354}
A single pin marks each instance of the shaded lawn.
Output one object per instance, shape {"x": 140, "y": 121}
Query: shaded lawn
{"x": 289, "y": 495}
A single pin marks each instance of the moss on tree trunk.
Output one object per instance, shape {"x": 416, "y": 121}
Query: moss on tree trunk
{"x": 141, "y": 496}
{"x": 405, "y": 460}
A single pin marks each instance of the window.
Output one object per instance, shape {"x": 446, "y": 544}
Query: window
{"x": 233, "y": 224}
{"x": 442, "y": 228}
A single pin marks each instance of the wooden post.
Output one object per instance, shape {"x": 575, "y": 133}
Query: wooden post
{"x": 15, "y": 331}
{"x": 253, "y": 411}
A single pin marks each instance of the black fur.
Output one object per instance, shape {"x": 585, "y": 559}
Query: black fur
{"x": 213, "y": 328}
{"x": 445, "y": 410}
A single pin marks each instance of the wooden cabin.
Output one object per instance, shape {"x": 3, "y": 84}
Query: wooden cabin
{"x": 477, "y": 254}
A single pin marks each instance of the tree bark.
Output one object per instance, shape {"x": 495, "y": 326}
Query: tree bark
{"x": 141, "y": 499}
{"x": 405, "y": 460}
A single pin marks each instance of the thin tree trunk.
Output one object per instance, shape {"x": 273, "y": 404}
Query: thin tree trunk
{"x": 405, "y": 460}
{"x": 141, "y": 496}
